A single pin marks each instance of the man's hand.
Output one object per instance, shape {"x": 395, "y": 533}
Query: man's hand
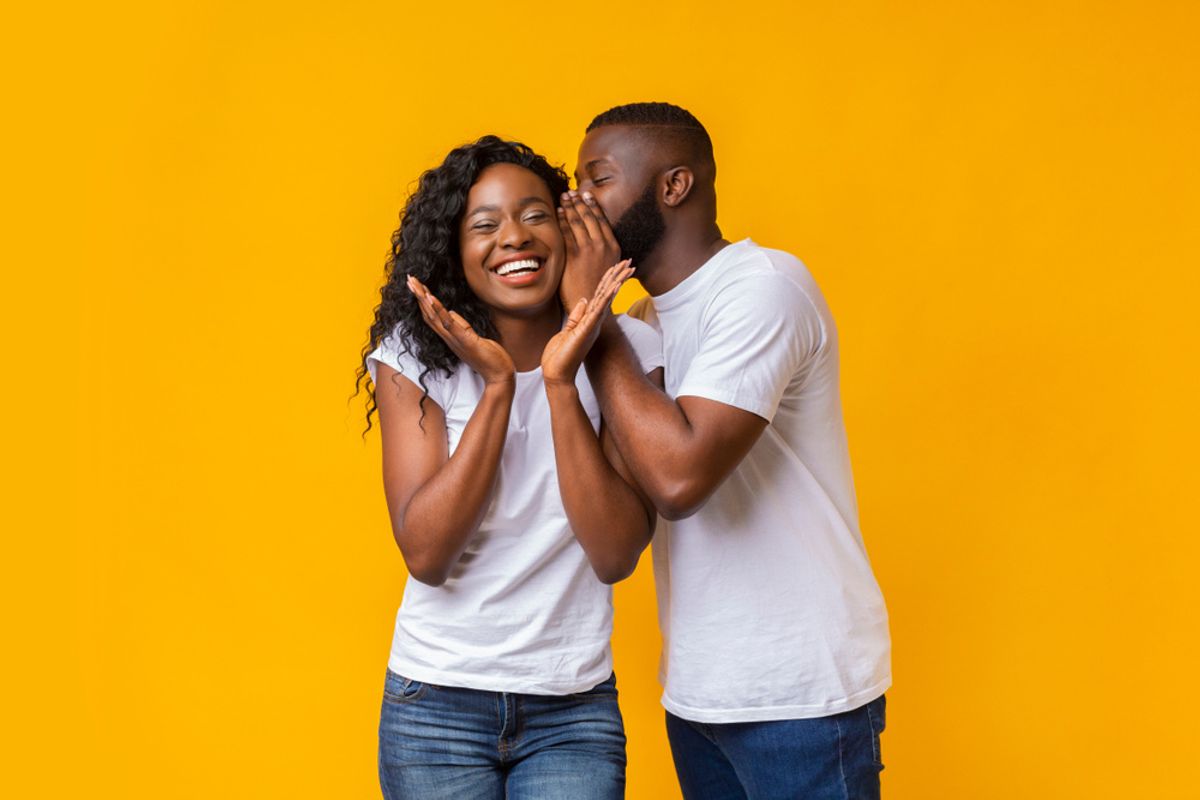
{"x": 591, "y": 247}
{"x": 565, "y": 352}
{"x": 485, "y": 356}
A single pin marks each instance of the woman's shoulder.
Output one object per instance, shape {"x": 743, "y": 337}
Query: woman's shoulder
{"x": 401, "y": 354}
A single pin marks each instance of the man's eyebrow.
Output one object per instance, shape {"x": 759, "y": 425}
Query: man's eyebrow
{"x": 589, "y": 165}
{"x": 533, "y": 198}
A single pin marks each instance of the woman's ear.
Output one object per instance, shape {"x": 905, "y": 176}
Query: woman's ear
{"x": 678, "y": 182}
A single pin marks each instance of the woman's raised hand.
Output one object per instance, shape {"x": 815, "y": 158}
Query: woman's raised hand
{"x": 481, "y": 354}
{"x": 565, "y": 352}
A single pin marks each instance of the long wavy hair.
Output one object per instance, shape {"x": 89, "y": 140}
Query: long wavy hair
{"x": 426, "y": 247}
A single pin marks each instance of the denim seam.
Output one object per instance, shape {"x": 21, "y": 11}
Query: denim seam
{"x": 841, "y": 759}
{"x": 506, "y": 743}
{"x": 874, "y": 736}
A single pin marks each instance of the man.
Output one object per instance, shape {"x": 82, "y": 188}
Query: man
{"x": 776, "y": 648}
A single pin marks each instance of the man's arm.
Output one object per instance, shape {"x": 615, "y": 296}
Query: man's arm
{"x": 678, "y": 451}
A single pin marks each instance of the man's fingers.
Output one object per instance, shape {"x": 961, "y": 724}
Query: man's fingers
{"x": 589, "y": 219}
{"x": 576, "y": 221}
{"x": 606, "y": 231}
{"x": 567, "y": 232}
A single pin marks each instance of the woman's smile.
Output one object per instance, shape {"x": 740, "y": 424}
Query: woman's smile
{"x": 511, "y": 247}
{"x": 518, "y": 270}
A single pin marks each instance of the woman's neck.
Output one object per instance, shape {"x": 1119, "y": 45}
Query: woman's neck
{"x": 525, "y": 337}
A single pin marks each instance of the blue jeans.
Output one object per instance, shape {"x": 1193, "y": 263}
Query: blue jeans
{"x": 443, "y": 742}
{"x": 827, "y": 758}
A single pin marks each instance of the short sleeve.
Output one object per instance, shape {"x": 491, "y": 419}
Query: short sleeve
{"x": 756, "y": 335}
{"x": 392, "y": 351}
{"x": 645, "y": 341}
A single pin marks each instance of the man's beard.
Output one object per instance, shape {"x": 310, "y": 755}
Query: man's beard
{"x": 641, "y": 227}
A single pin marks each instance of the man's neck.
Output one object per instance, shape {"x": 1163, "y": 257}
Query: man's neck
{"x": 677, "y": 256}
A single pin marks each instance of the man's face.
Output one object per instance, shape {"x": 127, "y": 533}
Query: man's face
{"x": 620, "y": 176}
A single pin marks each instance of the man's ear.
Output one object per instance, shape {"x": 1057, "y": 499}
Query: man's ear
{"x": 677, "y": 185}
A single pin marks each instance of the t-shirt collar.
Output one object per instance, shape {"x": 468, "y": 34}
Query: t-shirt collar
{"x": 692, "y": 283}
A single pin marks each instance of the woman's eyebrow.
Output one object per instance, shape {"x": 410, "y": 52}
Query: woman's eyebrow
{"x": 492, "y": 209}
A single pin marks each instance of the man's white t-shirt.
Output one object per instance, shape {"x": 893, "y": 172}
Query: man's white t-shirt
{"x": 767, "y": 603}
{"x": 522, "y": 610}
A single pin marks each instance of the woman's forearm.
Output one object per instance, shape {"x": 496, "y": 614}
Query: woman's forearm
{"x": 447, "y": 509}
{"x": 607, "y": 516}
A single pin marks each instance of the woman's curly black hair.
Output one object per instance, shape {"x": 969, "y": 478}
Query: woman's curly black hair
{"x": 426, "y": 247}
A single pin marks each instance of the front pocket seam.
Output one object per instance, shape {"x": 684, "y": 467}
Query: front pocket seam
{"x": 401, "y": 699}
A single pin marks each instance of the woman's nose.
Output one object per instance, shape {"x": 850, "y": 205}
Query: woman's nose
{"x": 514, "y": 234}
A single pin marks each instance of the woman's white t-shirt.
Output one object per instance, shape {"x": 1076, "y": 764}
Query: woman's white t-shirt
{"x": 522, "y": 610}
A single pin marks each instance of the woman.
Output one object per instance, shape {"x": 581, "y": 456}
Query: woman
{"x": 511, "y": 507}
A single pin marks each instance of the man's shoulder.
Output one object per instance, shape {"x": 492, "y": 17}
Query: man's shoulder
{"x": 762, "y": 275}
{"x": 753, "y": 261}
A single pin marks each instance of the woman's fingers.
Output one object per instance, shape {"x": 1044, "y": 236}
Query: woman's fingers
{"x": 429, "y": 312}
{"x": 576, "y": 316}
{"x": 461, "y": 328}
{"x": 436, "y": 306}
{"x": 610, "y": 282}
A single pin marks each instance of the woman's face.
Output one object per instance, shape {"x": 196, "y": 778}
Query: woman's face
{"x": 511, "y": 248}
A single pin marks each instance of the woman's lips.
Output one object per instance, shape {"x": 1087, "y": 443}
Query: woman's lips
{"x": 518, "y": 272}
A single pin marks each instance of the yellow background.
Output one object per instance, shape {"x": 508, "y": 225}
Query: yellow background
{"x": 1001, "y": 203}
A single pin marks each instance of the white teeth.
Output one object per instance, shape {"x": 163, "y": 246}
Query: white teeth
{"x": 517, "y": 266}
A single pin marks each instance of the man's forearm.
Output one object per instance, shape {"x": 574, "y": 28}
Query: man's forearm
{"x": 651, "y": 431}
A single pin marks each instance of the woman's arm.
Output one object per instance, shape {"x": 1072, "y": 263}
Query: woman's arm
{"x": 436, "y": 501}
{"x": 611, "y": 519}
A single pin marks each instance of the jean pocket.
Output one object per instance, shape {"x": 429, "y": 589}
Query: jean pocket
{"x": 399, "y": 689}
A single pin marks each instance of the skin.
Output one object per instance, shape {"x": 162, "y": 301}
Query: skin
{"x": 436, "y": 500}
{"x": 681, "y": 450}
